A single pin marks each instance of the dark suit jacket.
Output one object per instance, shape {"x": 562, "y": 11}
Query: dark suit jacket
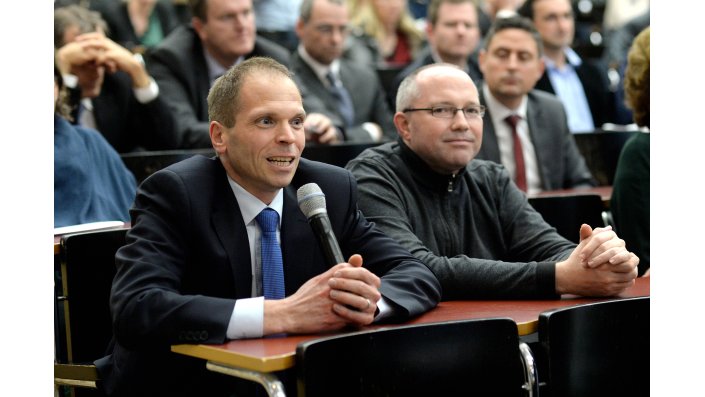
{"x": 561, "y": 165}
{"x": 178, "y": 65}
{"x": 426, "y": 58}
{"x": 187, "y": 260}
{"x": 599, "y": 97}
{"x": 365, "y": 89}
{"x": 125, "y": 122}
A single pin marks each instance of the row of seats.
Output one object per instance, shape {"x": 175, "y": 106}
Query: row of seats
{"x": 599, "y": 349}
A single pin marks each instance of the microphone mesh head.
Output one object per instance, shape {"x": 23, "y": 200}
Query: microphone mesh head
{"x": 311, "y": 199}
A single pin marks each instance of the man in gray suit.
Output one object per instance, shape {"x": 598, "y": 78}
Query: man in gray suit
{"x": 348, "y": 93}
{"x": 511, "y": 64}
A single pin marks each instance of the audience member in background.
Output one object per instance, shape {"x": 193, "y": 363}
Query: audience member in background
{"x": 390, "y": 30}
{"x": 185, "y": 63}
{"x": 124, "y": 104}
{"x": 276, "y": 20}
{"x": 511, "y": 64}
{"x": 465, "y": 218}
{"x": 139, "y": 25}
{"x": 91, "y": 183}
{"x": 490, "y": 10}
{"x": 349, "y": 93}
{"x": 453, "y": 37}
{"x": 193, "y": 272}
{"x": 581, "y": 85}
{"x": 614, "y": 59}
{"x": 631, "y": 189}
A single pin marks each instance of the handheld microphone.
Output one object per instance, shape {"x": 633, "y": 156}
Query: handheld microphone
{"x": 312, "y": 203}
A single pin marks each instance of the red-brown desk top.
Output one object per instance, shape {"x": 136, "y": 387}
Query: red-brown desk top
{"x": 605, "y": 192}
{"x": 278, "y": 353}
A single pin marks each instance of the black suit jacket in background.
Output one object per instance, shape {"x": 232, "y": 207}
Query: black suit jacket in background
{"x": 179, "y": 67}
{"x": 187, "y": 260}
{"x": 561, "y": 165}
{"x": 127, "y": 124}
{"x": 600, "y": 100}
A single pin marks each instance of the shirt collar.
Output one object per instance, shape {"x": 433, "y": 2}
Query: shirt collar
{"x": 215, "y": 69}
{"x": 570, "y": 55}
{"x": 320, "y": 69}
{"x": 251, "y": 206}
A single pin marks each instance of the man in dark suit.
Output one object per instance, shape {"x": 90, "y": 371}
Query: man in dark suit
{"x": 352, "y": 97}
{"x": 511, "y": 64}
{"x": 580, "y": 84}
{"x": 185, "y": 64}
{"x": 453, "y": 33}
{"x": 124, "y": 104}
{"x": 192, "y": 271}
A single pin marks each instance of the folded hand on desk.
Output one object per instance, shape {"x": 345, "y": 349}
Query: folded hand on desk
{"x": 599, "y": 266}
{"x": 346, "y": 294}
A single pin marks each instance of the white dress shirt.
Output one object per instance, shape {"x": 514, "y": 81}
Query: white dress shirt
{"x": 247, "y": 320}
{"x": 505, "y": 140}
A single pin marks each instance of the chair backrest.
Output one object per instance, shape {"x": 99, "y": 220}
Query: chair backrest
{"x": 567, "y": 212}
{"x": 338, "y": 154}
{"x": 599, "y": 349}
{"x": 478, "y": 357}
{"x": 601, "y": 151}
{"x": 87, "y": 271}
{"x": 144, "y": 164}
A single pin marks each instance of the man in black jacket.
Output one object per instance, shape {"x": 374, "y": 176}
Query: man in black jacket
{"x": 124, "y": 104}
{"x": 185, "y": 64}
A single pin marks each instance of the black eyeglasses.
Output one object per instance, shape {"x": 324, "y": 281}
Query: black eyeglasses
{"x": 448, "y": 112}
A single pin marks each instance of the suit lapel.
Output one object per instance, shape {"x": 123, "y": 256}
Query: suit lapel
{"x": 231, "y": 231}
{"x": 537, "y": 122}
{"x": 489, "y": 150}
{"x": 297, "y": 243}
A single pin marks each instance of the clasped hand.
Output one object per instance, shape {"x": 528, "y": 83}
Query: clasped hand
{"x": 346, "y": 294}
{"x": 599, "y": 266}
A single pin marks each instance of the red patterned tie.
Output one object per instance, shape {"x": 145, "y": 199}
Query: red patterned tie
{"x": 520, "y": 177}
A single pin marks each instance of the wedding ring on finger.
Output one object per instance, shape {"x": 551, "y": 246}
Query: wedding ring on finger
{"x": 368, "y": 304}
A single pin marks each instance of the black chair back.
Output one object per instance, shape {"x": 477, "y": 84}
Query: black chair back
{"x": 567, "y": 212}
{"x": 471, "y": 357}
{"x": 87, "y": 271}
{"x": 601, "y": 151}
{"x": 338, "y": 154}
{"x": 599, "y": 349}
{"x": 144, "y": 164}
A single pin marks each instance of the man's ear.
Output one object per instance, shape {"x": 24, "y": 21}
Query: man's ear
{"x": 402, "y": 123}
{"x": 197, "y": 24}
{"x": 481, "y": 60}
{"x": 218, "y": 138}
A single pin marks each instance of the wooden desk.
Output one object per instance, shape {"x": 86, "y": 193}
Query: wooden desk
{"x": 605, "y": 192}
{"x": 267, "y": 355}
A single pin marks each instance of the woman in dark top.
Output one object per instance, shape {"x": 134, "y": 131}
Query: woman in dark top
{"x": 631, "y": 188}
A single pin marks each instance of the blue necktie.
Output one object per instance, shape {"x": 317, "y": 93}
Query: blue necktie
{"x": 342, "y": 97}
{"x": 272, "y": 264}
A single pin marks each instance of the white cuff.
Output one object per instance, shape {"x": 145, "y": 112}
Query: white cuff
{"x": 247, "y": 320}
{"x": 70, "y": 80}
{"x": 385, "y": 310}
{"x": 147, "y": 94}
